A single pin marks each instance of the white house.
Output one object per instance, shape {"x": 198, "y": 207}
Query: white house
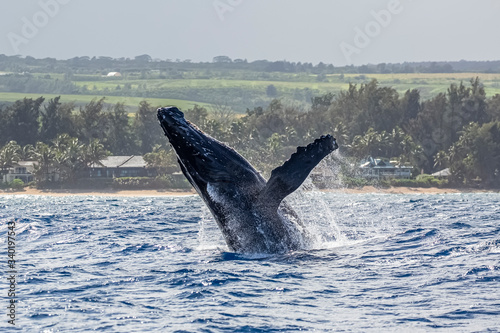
{"x": 21, "y": 170}
{"x": 114, "y": 74}
{"x": 378, "y": 168}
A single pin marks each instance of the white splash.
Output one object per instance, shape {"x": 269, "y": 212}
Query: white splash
{"x": 209, "y": 236}
{"x": 308, "y": 202}
{"x": 313, "y": 210}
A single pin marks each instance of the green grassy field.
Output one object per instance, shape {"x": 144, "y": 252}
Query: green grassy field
{"x": 130, "y": 102}
{"x": 248, "y": 89}
{"x": 429, "y": 84}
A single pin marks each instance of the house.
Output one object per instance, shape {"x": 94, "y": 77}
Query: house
{"x": 325, "y": 177}
{"x": 112, "y": 167}
{"x": 379, "y": 168}
{"x": 114, "y": 74}
{"x": 21, "y": 170}
{"x": 120, "y": 166}
{"x": 443, "y": 174}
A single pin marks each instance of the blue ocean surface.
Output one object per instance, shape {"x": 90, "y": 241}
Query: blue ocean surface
{"x": 379, "y": 263}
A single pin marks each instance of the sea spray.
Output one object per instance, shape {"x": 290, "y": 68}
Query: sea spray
{"x": 322, "y": 228}
{"x": 319, "y": 220}
{"x": 209, "y": 235}
{"x": 320, "y": 217}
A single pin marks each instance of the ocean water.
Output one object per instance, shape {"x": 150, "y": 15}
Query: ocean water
{"x": 379, "y": 263}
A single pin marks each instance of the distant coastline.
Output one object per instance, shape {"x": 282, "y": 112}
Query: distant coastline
{"x": 117, "y": 193}
{"x": 412, "y": 190}
{"x": 147, "y": 193}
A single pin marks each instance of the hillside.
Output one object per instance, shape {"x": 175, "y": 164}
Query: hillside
{"x": 235, "y": 84}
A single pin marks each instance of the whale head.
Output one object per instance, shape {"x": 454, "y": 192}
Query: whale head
{"x": 202, "y": 158}
{"x": 189, "y": 142}
{"x": 172, "y": 121}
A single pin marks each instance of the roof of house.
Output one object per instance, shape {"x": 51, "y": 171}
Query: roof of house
{"x": 381, "y": 164}
{"x": 26, "y": 163}
{"x": 29, "y": 165}
{"x": 443, "y": 173}
{"x": 134, "y": 162}
{"x": 130, "y": 161}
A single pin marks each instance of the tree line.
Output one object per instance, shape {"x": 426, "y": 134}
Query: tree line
{"x": 64, "y": 140}
{"x": 459, "y": 129}
{"x": 145, "y": 77}
{"x": 63, "y": 160}
{"x": 103, "y": 64}
{"x": 29, "y": 121}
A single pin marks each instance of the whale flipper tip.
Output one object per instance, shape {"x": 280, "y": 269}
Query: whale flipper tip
{"x": 288, "y": 177}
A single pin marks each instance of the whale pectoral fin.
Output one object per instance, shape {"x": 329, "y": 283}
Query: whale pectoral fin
{"x": 287, "y": 178}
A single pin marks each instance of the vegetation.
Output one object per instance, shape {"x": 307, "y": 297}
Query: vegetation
{"x": 237, "y": 83}
{"x": 282, "y": 105}
{"x": 148, "y": 183}
{"x": 63, "y": 161}
{"x": 17, "y": 185}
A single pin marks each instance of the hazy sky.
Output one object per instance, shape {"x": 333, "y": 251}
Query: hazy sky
{"x": 332, "y": 31}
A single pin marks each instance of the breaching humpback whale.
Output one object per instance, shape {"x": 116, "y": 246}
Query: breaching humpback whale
{"x": 248, "y": 210}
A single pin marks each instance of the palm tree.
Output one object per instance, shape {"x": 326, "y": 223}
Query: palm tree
{"x": 341, "y": 133}
{"x": 27, "y": 153}
{"x": 162, "y": 160}
{"x": 441, "y": 159}
{"x": 395, "y": 141}
{"x": 93, "y": 153}
{"x": 44, "y": 156}
{"x": 68, "y": 156}
{"x": 61, "y": 141}
{"x": 411, "y": 152}
{"x": 9, "y": 155}
{"x": 368, "y": 144}
{"x": 275, "y": 144}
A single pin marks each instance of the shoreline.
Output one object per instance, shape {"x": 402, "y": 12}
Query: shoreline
{"x": 147, "y": 193}
{"x": 109, "y": 193}
{"x": 412, "y": 190}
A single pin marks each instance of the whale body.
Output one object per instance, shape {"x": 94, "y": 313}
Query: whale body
{"x": 249, "y": 210}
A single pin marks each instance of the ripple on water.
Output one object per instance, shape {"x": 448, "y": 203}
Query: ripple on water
{"x": 379, "y": 263}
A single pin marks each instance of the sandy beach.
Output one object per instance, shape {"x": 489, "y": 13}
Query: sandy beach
{"x": 131, "y": 193}
{"x": 145, "y": 193}
{"x": 413, "y": 190}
